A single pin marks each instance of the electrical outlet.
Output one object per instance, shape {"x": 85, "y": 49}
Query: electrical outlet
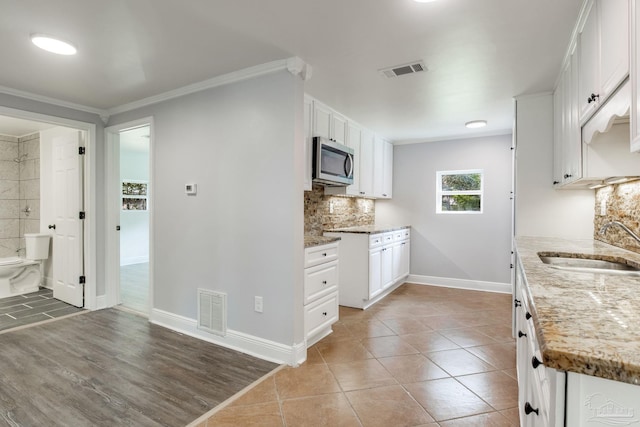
{"x": 257, "y": 304}
{"x": 330, "y": 207}
{"x": 603, "y": 207}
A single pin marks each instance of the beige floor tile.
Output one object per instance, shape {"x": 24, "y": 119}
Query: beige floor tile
{"x": 263, "y": 392}
{"x": 330, "y": 410}
{"x": 496, "y": 388}
{"x": 388, "y": 346}
{"x": 313, "y": 356}
{"x": 402, "y": 325}
{"x": 459, "y": 362}
{"x": 500, "y": 333}
{"x": 361, "y": 374}
{"x": 369, "y": 328}
{"x": 426, "y": 342}
{"x": 343, "y": 351}
{"x": 305, "y": 380}
{"x": 446, "y": 399}
{"x": 512, "y": 415}
{"x": 263, "y": 415}
{"x": 467, "y": 337}
{"x": 441, "y": 322}
{"x": 513, "y": 373}
{"x": 412, "y": 368}
{"x": 387, "y": 406}
{"x": 492, "y": 419}
{"x": 502, "y": 356}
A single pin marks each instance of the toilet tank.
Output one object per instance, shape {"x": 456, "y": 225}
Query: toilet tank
{"x": 37, "y": 245}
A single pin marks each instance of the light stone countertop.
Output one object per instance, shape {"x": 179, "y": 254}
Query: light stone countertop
{"x": 368, "y": 229}
{"x": 310, "y": 241}
{"x": 585, "y": 322}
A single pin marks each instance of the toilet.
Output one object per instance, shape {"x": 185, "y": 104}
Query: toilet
{"x": 23, "y": 275}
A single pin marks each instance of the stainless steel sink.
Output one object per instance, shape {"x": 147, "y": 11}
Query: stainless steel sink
{"x": 587, "y": 265}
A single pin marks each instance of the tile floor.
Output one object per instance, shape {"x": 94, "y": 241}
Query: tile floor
{"x": 424, "y": 356}
{"x": 31, "y": 308}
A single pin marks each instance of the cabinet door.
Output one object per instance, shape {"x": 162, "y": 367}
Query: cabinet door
{"x": 308, "y": 142}
{"x": 321, "y": 120}
{"x": 558, "y": 145}
{"x": 405, "y": 258}
{"x": 573, "y": 146}
{"x": 588, "y": 46}
{"x": 387, "y": 266}
{"x": 387, "y": 171}
{"x": 378, "y": 166}
{"x": 338, "y": 128}
{"x": 354, "y": 136}
{"x": 375, "y": 272}
{"x": 366, "y": 164}
{"x": 614, "y": 44}
{"x": 635, "y": 75}
{"x": 396, "y": 263}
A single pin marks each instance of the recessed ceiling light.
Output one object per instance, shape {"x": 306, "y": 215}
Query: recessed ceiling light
{"x": 53, "y": 45}
{"x": 476, "y": 124}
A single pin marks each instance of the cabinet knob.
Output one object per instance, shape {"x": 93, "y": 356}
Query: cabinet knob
{"x": 362, "y": 192}
{"x": 528, "y": 315}
{"x": 556, "y": 182}
{"x": 521, "y": 334}
{"x": 592, "y": 98}
{"x": 324, "y": 282}
{"x": 529, "y": 409}
{"x": 517, "y": 303}
{"x": 324, "y": 313}
{"x": 384, "y": 195}
{"x": 535, "y": 362}
{"x": 324, "y": 254}
{"x": 567, "y": 175}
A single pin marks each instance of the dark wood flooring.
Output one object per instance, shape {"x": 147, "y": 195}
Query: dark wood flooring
{"x": 111, "y": 367}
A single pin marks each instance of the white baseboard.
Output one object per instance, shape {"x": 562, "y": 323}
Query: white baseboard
{"x": 101, "y": 302}
{"x": 239, "y": 341}
{"x": 474, "y": 285}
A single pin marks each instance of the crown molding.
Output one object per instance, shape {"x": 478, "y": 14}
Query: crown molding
{"x": 233, "y": 77}
{"x": 52, "y": 101}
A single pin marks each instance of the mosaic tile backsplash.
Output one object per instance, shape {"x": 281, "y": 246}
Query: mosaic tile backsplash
{"x": 347, "y": 211}
{"x": 621, "y": 203}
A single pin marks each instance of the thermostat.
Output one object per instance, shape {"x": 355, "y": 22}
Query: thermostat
{"x": 190, "y": 188}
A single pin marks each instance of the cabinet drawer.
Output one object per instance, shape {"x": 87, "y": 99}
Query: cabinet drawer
{"x": 403, "y": 234}
{"x": 320, "y": 314}
{"x": 320, "y": 254}
{"x": 387, "y": 238}
{"x": 375, "y": 240}
{"x": 320, "y": 280}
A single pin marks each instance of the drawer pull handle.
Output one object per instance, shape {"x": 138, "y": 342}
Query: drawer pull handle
{"x": 324, "y": 254}
{"x": 521, "y": 334}
{"x": 517, "y": 303}
{"x": 535, "y": 362}
{"x": 324, "y": 282}
{"x": 528, "y": 315}
{"x": 324, "y": 313}
{"x": 529, "y": 409}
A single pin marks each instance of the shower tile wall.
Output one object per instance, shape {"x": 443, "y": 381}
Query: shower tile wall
{"x": 19, "y": 189}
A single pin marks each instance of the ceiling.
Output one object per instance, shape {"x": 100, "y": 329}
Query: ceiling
{"x": 479, "y": 53}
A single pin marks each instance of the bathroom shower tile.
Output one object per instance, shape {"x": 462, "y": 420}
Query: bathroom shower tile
{"x": 31, "y": 226}
{"x": 10, "y": 190}
{"x": 34, "y": 206}
{"x": 9, "y": 228}
{"x": 31, "y": 148}
{"x": 8, "y": 149}
{"x": 9, "y": 170}
{"x": 30, "y": 189}
{"x": 8, "y": 247}
{"x": 30, "y": 169}
{"x": 9, "y": 209}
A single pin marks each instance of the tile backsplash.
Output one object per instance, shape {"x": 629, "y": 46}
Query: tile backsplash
{"x": 619, "y": 202}
{"x": 347, "y": 211}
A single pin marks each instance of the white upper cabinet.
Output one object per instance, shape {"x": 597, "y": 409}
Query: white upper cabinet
{"x": 603, "y": 48}
{"x": 635, "y": 75}
{"x": 387, "y": 170}
{"x": 354, "y": 136}
{"x": 366, "y": 164}
{"x": 338, "y": 128}
{"x": 328, "y": 124}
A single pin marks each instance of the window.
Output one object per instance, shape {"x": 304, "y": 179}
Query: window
{"x": 134, "y": 195}
{"x": 459, "y": 191}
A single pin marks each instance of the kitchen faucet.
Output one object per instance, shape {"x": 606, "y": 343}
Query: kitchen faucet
{"x": 605, "y": 227}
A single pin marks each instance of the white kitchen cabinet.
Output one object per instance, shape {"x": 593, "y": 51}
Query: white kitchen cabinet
{"x": 329, "y": 124}
{"x": 635, "y": 75}
{"x": 354, "y": 138}
{"x": 383, "y": 168}
{"x": 372, "y": 265}
{"x": 321, "y": 275}
{"x": 308, "y": 142}
{"x": 366, "y": 164}
{"x": 603, "y": 46}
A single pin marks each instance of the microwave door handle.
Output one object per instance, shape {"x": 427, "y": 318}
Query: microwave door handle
{"x": 350, "y": 160}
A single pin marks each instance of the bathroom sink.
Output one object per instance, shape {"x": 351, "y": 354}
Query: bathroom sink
{"x": 587, "y": 265}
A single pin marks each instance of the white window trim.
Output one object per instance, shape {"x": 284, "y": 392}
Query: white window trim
{"x": 440, "y": 193}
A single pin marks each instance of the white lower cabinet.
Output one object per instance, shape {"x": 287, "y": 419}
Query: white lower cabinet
{"x": 372, "y": 265}
{"x": 320, "y": 291}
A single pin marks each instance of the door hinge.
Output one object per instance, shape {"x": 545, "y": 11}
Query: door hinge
{"x": 510, "y": 265}
{"x": 81, "y": 150}
{"x": 82, "y": 280}
{"x": 82, "y": 215}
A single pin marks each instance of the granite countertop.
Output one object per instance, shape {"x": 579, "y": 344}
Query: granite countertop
{"x": 368, "y": 229}
{"x": 585, "y": 322}
{"x": 310, "y": 241}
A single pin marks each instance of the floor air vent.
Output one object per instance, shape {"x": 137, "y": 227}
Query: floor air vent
{"x": 401, "y": 70}
{"x": 212, "y": 311}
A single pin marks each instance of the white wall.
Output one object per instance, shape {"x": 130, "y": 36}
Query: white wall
{"x": 474, "y": 247}
{"x": 540, "y": 209}
{"x": 243, "y": 232}
{"x": 134, "y": 225}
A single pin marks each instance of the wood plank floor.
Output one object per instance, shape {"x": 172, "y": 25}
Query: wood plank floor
{"x": 134, "y": 286}
{"x": 111, "y": 367}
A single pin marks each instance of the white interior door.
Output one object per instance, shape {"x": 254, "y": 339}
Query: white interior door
{"x": 68, "y": 232}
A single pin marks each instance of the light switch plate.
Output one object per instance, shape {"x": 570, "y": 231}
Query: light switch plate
{"x": 191, "y": 189}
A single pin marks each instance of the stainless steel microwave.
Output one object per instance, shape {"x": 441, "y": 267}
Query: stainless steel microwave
{"x": 332, "y": 163}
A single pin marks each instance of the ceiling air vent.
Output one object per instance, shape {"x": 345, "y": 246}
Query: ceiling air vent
{"x": 400, "y": 70}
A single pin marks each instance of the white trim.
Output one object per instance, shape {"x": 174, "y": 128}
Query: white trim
{"x": 90, "y": 190}
{"x": 239, "y": 341}
{"x": 40, "y": 98}
{"x": 101, "y": 302}
{"x": 236, "y": 76}
{"x": 449, "y": 282}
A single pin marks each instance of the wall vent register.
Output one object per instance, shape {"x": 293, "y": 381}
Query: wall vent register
{"x": 212, "y": 311}
{"x": 401, "y": 70}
